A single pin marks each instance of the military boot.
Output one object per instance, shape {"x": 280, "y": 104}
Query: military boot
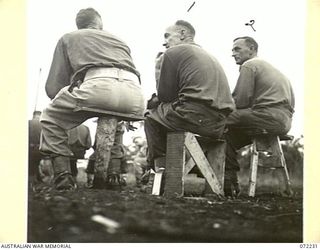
{"x": 90, "y": 178}
{"x": 63, "y": 179}
{"x": 113, "y": 174}
{"x": 46, "y": 173}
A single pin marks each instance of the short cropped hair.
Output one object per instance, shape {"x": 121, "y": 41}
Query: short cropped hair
{"x": 186, "y": 25}
{"x": 249, "y": 41}
{"x": 86, "y": 18}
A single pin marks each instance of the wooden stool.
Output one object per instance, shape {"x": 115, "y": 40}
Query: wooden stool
{"x": 176, "y": 167}
{"x": 271, "y": 147}
{"x": 105, "y": 136}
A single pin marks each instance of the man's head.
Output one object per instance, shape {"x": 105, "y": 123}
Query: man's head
{"x": 89, "y": 19}
{"x": 244, "y": 48}
{"x": 179, "y": 33}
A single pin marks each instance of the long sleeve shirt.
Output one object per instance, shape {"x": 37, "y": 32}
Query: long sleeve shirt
{"x": 261, "y": 85}
{"x": 82, "y": 49}
{"x": 189, "y": 73}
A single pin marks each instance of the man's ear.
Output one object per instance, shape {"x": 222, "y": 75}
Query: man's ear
{"x": 252, "y": 49}
{"x": 182, "y": 35}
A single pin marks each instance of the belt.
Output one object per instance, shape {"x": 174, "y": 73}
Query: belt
{"x": 111, "y": 73}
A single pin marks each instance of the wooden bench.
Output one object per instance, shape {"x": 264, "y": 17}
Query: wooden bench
{"x": 269, "y": 145}
{"x": 177, "y": 166}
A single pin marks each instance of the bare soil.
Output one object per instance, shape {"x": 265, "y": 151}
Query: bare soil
{"x": 68, "y": 217}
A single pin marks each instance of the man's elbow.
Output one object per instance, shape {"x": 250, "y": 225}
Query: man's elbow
{"x": 51, "y": 92}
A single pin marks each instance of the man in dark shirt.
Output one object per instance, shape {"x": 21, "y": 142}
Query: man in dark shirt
{"x": 192, "y": 93}
{"x": 264, "y": 100}
{"x": 91, "y": 69}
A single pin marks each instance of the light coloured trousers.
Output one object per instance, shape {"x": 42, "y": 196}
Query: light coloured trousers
{"x": 102, "y": 93}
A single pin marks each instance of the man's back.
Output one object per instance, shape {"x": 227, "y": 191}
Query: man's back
{"x": 97, "y": 47}
{"x": 82, "y": 49}
{"x": 191, "y": 74}
{"x": 260, "y": 85}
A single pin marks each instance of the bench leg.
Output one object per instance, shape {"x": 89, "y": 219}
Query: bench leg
{"x": 216, "y": 156}
{"x": 286, "y": 173}
{"x": 105, "y": 135}
{"x": 159, "y": 164}
{"x": 200, "y": 159}
{"x": 253, "y": 169}
{"x": 175, "y": 164}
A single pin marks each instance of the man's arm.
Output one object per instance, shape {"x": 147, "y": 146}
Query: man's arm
{"x": 168, "y": 84}
{"x": 244, "y": 91}
{"x": 60, "y": 71}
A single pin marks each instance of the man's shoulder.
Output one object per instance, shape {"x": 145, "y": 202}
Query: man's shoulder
{"x": 87, "y": 32}
{"x": 91, "y": 34}
{"x": 184, "y": 49}
{"x": 255, "y": 61}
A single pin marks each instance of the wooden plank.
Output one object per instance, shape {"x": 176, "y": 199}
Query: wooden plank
{"x": 202, "y": 163}
{"x": 156, "y": 187}
{"x": 175, "y": 163}
{"x": 159, "y": 165}
{"x": 253, "y": 169}
{"x": 286, "y": 172}
{"x": 216, "y": 154}
{"x": 105, "y": 135}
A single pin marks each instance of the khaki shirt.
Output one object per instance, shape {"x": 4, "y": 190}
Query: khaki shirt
{"x": 261, "y": 85}
{"x": 82, "y": 49}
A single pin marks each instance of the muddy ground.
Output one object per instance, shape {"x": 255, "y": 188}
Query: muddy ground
{"x": 70, "y": 217}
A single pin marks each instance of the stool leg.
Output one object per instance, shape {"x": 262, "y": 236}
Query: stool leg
{"x": 286, "y": 173}
{"x": 175, "y": 163}
{"x": 105, "y": 136}
{"x": 253, "y": 169}
{"x": 159, "y": 164}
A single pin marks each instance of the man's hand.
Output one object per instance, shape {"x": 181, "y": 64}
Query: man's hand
{"x": 153, "y": 102}
{"x": 129, "y": 126}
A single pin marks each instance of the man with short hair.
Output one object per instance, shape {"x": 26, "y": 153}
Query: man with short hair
{"x": 192, "y": 93}
{"x": 91, "y": 69}
{"x": 264, "y": 100}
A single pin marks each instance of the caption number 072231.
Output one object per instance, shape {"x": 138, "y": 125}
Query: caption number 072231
{"x": 308, "y": 246}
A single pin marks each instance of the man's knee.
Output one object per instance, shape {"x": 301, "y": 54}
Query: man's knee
{"x": 148, "y": 122}
{"x": 150, "y": 125}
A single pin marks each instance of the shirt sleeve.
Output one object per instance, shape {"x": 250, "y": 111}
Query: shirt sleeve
{"x": 168, "y": 83}
{"x": 244, "y": 91}
{"x": 60, "y": 71}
